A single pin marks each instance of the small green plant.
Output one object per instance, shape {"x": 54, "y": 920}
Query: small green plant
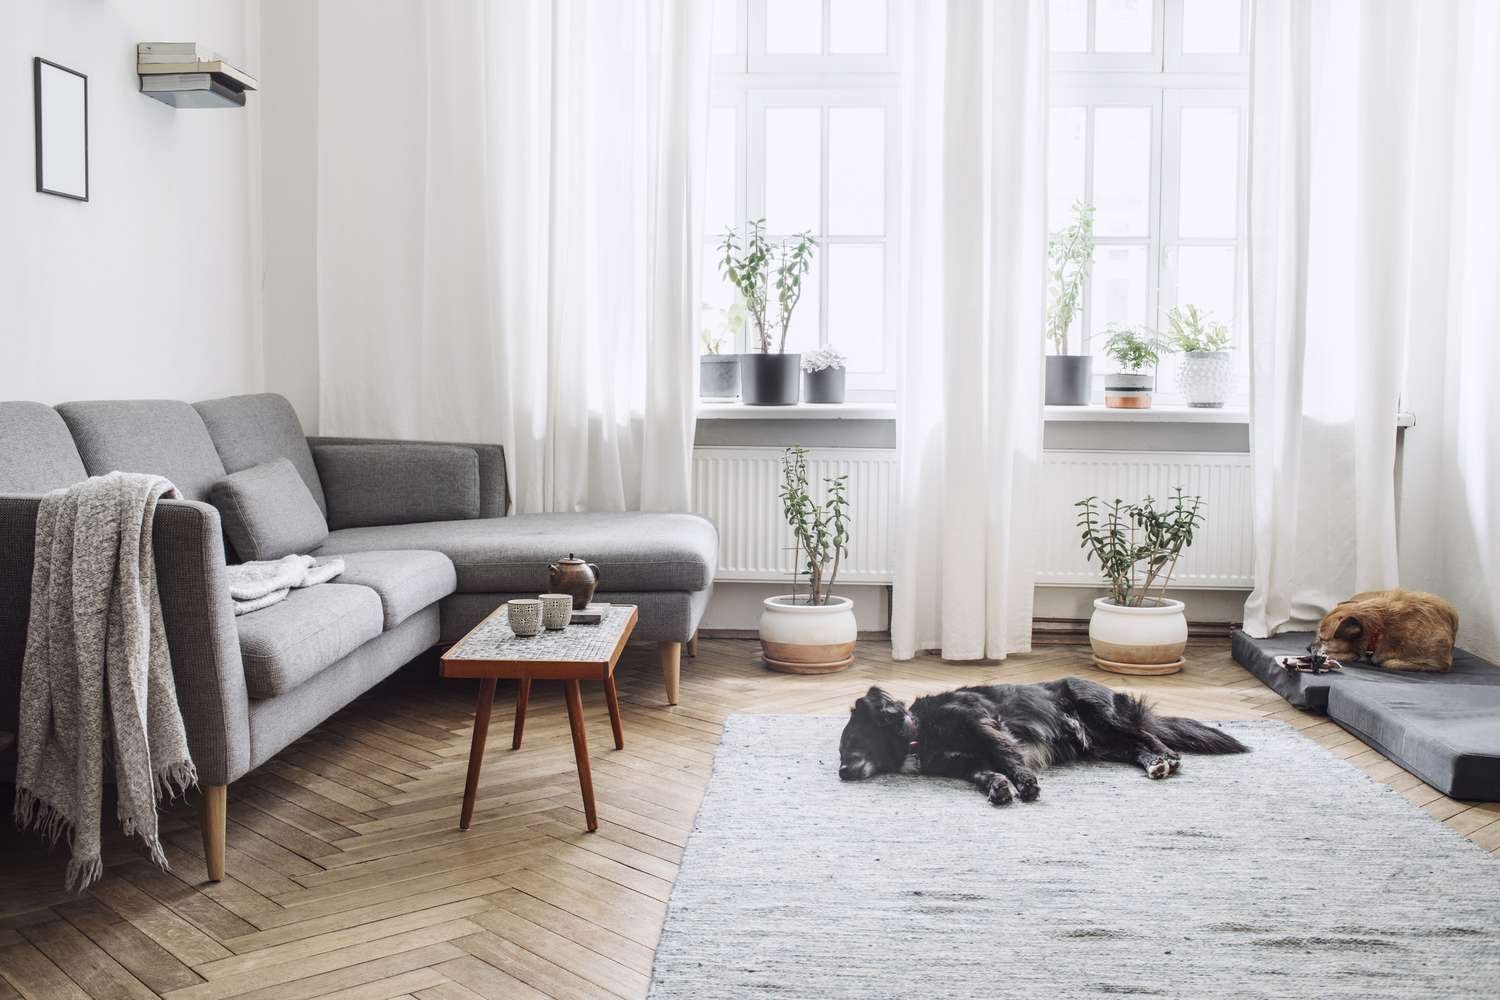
{"x": 1138, "y": 542}
{"x": 1070, "y": 254}
{"x": 1193, "y": 330}
{"x": 731, "y": 321}
{"x": 821, "y": 530}
{"x": 756, "y": 268}
{"x": 1134, "y": 348}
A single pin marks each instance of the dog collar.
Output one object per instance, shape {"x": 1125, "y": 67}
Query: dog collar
{"x": 909, "y": 730}
{"x": 1374, "y": 640}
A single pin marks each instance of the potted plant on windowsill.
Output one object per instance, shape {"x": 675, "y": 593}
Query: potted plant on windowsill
{"x": 811, "y": 632}
{"x": 1207, "y": 368}
{"x": 1136, "y": 353}
{"x": 823, "y": 376}
{"x": 1070, "y": 254}
{"x": 756, "y": 270}
{"x": 719, "y": 373}
{"x": 1137, "y": 629}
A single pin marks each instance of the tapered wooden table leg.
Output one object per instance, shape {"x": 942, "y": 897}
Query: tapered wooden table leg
{"x": 581, "y": 752}
{"x": 523, "y": 695}
{"x": 614, "y": 711}
{"x": 476, "y": 748}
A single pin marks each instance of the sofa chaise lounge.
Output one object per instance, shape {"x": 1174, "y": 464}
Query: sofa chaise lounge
{"x": 424, "y": 528}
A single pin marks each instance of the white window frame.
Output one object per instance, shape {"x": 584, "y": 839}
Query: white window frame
{"x": 749, "y": 81}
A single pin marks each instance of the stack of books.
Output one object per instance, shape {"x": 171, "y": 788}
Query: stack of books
{"x": 187, "y": 75}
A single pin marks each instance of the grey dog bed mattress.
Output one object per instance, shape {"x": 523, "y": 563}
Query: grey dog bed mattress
{"x": 1444, "y": 728}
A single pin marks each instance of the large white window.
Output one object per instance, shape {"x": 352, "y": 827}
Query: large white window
{"x": 1149, "y": 125}
{"x": 803, "y": 133}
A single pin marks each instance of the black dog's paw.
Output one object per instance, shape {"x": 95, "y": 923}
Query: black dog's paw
{"x": 1027, "y": 787}
{"x": 1174, "y": 764}
{"x": 1000, "y": 791}
{"x": 1160, "y": 767}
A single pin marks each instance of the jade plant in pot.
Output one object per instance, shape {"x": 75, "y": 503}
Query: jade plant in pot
{"x": 763, "y": 274}
{"x": 1207, "y": 368}
{"x": 823, "y": 376}
{"x": 1070, "y": 254}
{"x": 1136, "y": 351}
{"x": 1138, "y": 629}
{"x": 719, "y": 373}
{"x": 811, "y": 630}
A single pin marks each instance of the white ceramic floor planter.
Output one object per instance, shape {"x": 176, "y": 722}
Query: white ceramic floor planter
{"x": 807, "y": 638}
{"x": 1144, "y": 640}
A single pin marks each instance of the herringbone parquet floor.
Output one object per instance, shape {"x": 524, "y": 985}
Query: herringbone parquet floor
{"x": 349, "y": 879}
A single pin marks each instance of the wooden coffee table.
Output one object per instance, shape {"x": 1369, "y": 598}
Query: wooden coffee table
{"x": 491, "y": 651}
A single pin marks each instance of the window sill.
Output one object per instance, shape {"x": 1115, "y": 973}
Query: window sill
{"x": 1162, "y": 414}
{"x": 797, "y": 411}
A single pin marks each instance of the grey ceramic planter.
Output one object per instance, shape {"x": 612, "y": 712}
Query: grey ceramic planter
{"x": 1069, "y": 379}
{"x": 826, "y": 386}
{"x": 769, "y": 379}
{"x": 719, "y": 376}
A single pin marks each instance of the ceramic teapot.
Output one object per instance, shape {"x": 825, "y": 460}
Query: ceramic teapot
{"x": 574, "y": 576}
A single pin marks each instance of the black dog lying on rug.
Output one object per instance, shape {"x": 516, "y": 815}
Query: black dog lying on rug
{"x": 998, "y": 736}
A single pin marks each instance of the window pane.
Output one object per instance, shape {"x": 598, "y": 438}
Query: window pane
{"x": 1123, "y": 25}
{"x": 1205, "y": 277}
{"x": 856, "y": 26}
{"x": 856, "y": 305}
{"x": 1209, "y": 180}
{"x": 803, "y": 335}
{"x": 1068, "y": 22}
{"x": 1122, "y": 171}
{"x": 793, "y": 157}
{"x": 726, "y": 27}
{"x": 856, "y": 171}
{"x": 1211, "y": 26}
{"x": 794, "y": 27}
{"x": 1065, "y": 160}
{"x": 1119, "y": 291}
{"x": 719, "y": 198}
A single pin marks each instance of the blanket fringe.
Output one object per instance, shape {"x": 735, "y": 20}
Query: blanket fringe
{"x": 35, "y": 814}
{"x": 174, "y": 780}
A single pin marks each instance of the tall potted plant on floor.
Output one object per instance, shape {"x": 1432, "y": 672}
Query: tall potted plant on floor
{"x": 1207, "y": 369}
{"x": 1137, "y": 629}
{"x": 763, "y": 275}
{"x": 1070, "y": 254}
{"x": 811, "y": 631}
{"x": 1136, "y": 351}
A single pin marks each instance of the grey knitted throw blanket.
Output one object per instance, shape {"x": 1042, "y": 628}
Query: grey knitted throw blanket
{"x": 96, "y": 682}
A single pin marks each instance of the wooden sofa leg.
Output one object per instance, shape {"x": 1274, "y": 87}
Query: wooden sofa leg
{"x": 213, "y": 816}
{"x": 671, "y": 667}
{"x": 692, "y": 646}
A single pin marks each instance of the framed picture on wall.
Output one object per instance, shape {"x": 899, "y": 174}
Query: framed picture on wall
{"x": 62, "y": 130}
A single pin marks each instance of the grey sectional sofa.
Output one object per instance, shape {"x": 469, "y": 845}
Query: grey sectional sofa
{"x": 423, "y": 529}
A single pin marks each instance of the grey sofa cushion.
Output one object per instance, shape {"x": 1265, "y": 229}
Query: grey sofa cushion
{"x": 635, "y": 551}
{"x": 287, "y": 643}
{"x": 268, "y": 512}
{"x": 160, "y": 436}
{"x": 1448, "y": 735}
{"x": 37, "y": 454}
{"x": 407, "y": 581}
{"x": 253, "y": 430}
{"x": 383, "y": 484}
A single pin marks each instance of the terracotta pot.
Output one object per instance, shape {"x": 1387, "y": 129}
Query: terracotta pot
{"x": 1145, "y": 640}
{"x": 574, "y": 577}
{"x": 807, "y": 638}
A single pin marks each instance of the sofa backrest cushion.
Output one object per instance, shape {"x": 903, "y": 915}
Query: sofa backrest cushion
{"x": 37, "y": 454}
{"x": 257, "y": 429}
{"x": 159, "y": 436}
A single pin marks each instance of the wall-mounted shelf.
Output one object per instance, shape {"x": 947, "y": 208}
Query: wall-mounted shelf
{"x": 185, "y": 75}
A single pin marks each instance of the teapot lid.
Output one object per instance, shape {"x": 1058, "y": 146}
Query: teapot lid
{"x": 572, "y": 560}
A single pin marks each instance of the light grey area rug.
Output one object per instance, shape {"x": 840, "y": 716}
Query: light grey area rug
{"x": 1285, "y": 872}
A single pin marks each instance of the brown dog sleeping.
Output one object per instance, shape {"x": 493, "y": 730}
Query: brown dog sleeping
{"x": 1394, "y": 629}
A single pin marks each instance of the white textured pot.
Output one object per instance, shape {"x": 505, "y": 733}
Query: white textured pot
{"x": 807, "y": 638}
{"x": 1144, "y": 640}
{"x": 1204, "y": 377}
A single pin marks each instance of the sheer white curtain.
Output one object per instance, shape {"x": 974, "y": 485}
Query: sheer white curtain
{"x": 974, "y": 252}
{"x": 509, "y": 216}
{"x": 1353, "y": 189}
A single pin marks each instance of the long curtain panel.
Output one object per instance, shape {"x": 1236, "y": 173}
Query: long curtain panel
{"x": 509, "y": 216}
{"x": 1372, "y": 282}
{"x": 973, "y": 260}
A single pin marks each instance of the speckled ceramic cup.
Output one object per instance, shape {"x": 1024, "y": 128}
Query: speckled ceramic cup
{"x": 524, "y": 615}
{"x": 557, "y": 610}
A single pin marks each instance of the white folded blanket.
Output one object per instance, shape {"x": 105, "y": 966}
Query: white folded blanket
{"x": 256, "y": 585}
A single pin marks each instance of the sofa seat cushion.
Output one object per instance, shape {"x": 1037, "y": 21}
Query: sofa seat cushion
{"x": 1446, "y": 734}
{"x": 634, "y": 551}
{"x": 406, "y": 581}
{"x": 287, "y": 643}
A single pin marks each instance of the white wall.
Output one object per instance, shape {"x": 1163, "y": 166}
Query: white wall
{"x": 151, "y": 288}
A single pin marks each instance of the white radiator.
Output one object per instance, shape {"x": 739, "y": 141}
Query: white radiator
{"x": 1220, "y": 556}
{"x": 739, "y": 490}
